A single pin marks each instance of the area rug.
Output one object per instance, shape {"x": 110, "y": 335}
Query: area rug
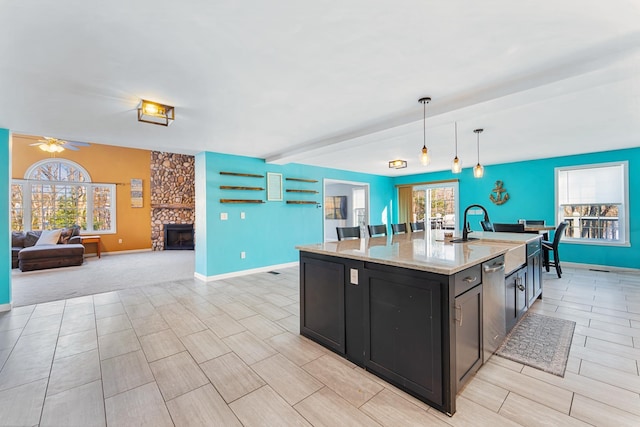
{"x": 541, "y": 342}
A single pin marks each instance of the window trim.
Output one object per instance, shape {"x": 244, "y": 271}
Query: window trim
{"x": 39, "y": 163}
{"x": 624, "y": 241}
{"x": 89, "y": 186}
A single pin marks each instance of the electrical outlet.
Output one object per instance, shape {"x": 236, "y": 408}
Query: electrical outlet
{"x": 241, "y": 215}
{"x": 243, "y": 255}
{"x": 223, "y": 216}
{"x": 119, "y": 240}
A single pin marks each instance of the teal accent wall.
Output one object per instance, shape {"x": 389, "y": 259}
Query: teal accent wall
{"x": 271, "y": 230}
{"x": 531, "y": 189}
{"x": 5, "y": 232}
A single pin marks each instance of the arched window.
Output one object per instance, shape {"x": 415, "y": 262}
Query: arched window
{"x": 57, "y": 170}
{"x": 57, "y": 193}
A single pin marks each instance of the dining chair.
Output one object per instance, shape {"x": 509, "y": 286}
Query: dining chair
{"x": 553, "y": 246}
{"x": 377, "y": 230}
{"x": 399, "y": 228}
{"x": 417, "y": 226}
{"x": 534, "y": 221}
{"x": 511, "y": 228}
{"x": 486, "y": 226}
{"x": 348, "y": 233}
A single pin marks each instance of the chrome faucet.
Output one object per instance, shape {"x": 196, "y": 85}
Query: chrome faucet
{"x": 465, "y": 224}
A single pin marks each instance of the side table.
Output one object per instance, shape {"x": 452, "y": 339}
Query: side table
{"x": 92, "y": 239}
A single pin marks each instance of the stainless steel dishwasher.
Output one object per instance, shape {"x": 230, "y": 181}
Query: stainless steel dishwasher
{"x": 494, "y": 327}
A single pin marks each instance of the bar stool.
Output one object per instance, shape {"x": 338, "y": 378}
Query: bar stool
{"x": 417, "y": 226}
{"x": 553, "y": 246}
{"x": 486, "y": 226}
{"x": 399, "y": 228}
{"x": 348, "y": 233}
{"x": 377, "y": 230}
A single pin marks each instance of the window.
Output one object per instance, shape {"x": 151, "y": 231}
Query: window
{"x": 58, "y": 193}
{"x": 593, "y": 199}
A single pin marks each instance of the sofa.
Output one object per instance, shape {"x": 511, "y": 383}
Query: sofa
{"x": 37, "y": 250}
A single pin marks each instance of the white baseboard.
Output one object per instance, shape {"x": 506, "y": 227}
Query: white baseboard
{"x": 5, "y": 307}
{"x": 243, "y": 272}
{"x": 597, "y": 267}
{"x": 131, "y": 251}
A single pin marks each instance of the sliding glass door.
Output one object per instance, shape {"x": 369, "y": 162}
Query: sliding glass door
{"x": 436, "y": 205}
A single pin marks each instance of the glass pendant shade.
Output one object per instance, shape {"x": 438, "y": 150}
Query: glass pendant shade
{"x": 425, "y": 159}
{"x": 478, "y": 171}
{"x": 456, "y": 165}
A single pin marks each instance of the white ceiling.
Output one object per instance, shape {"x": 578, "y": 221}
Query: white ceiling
{"x": 328, "y": 83}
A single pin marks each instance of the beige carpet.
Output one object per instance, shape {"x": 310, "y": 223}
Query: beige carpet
{"x": 97, "y": 275}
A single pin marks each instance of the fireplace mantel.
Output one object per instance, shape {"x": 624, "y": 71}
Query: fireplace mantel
{"x": 171, "y": 206}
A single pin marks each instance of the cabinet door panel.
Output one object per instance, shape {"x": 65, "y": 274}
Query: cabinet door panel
{"x": 468, "y": 334}
{"x": 534, "y": 277}
{"x": 322, "y": 302}
{"x": 404, "y": 335}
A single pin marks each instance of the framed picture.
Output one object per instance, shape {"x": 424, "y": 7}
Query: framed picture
{"x": 136, "y": 193}
{"x": 335, "y": 207}
{"x": 274, "y": 187}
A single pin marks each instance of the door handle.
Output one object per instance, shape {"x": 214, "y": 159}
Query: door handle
{"x": 459, "y": 320}
{"x": 495, "y": 268}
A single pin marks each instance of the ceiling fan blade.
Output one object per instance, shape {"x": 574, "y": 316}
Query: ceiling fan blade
{"x": 77, "y": 143}
{"x": 70, "y": 147}
{"x": 37, "y": 143}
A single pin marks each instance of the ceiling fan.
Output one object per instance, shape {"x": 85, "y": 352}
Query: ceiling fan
{"x": 54, "y": 145}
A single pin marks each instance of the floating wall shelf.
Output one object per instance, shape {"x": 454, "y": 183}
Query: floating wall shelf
{"x": 250, "y": 175}
{"x": 301, "y": 202}
{"x": 292, "y": 190}
{"x": 240, "y": 201}
{"x": 301, "y": 179}
{"x": 233, "y": 187}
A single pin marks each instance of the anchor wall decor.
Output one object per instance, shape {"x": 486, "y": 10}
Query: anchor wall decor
{"x": 499, "y": 195}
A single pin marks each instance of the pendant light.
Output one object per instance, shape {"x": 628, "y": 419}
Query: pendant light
{"x": 478, "y": 170}
{"x": 424, "y": 156}
{"x": 456, "y": 165}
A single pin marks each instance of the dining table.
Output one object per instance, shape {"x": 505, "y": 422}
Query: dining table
{"x": 544, "y": 230}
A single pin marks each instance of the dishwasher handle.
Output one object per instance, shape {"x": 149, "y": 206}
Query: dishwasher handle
{"x": 496, "y": 267}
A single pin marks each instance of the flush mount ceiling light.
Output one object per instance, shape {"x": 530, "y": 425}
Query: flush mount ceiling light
{"x": 155, "y": 113}
{"x": 456, "y": 165}
{"x": 398, "y": 164}
{"x": 478, "y": 170}
{"x": 424, "y": 156}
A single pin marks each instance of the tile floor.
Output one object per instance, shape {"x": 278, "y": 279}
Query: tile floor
{"x": 228, "y": 353}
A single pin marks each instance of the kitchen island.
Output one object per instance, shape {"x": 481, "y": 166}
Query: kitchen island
{"x": 419, "y": 313}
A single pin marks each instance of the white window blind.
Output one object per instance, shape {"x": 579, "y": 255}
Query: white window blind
{"x": 600, "y": 185}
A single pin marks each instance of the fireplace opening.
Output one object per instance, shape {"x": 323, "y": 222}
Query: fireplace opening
{"x": 178, "y": 237}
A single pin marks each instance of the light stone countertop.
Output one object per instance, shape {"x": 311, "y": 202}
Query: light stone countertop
{"x": 420, "y": 250}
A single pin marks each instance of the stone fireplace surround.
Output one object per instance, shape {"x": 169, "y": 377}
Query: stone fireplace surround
{"x": 172, "y": 193}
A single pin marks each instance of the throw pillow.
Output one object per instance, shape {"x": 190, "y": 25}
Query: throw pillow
{"x": 49, "y": 237}
{"x": 31, "y": 238}
{"x": 65, "y": 235}
{"x": 17, "y": 239}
